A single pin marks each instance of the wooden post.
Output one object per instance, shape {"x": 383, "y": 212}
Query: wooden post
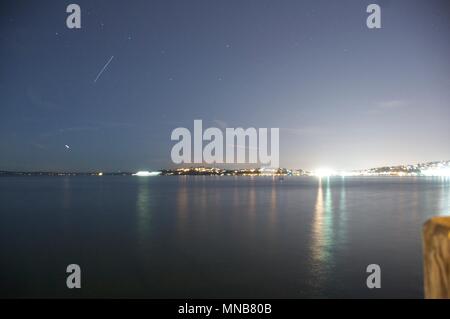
{"x": 436, "y": 257}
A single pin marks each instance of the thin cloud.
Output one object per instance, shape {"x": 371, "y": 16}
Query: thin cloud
{"x": 37, "y": 100}
{"x": 88, "y": 128}
{"x": 392, "y": 104}
{"x": 302, "y": 131}
{"x": 39, "y": 146}
{"x": 221, "y": 124}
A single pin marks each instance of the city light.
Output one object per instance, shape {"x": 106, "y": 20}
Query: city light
{"x": 146, "y": 173}
{"x": 324, "y": 172}
{"x": 437, "y": 171}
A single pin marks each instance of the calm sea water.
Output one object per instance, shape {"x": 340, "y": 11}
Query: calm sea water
{"x": 208, "y": 237}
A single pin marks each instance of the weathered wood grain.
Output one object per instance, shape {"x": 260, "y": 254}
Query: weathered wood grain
{"x": 436, "y": 256}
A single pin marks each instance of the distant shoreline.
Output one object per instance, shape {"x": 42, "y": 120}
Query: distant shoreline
{"x": 429, "y": 169}
{"x": 39, "y": 174}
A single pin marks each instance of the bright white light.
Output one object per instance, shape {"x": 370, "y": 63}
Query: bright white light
{"x": 437, "y": 172}
{"x": 146, "y": 173}
{"x": 324, "y": 172}
{"x": 347, "y": 173}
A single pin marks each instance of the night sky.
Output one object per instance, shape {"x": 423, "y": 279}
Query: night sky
{"x": 343, "y": 96}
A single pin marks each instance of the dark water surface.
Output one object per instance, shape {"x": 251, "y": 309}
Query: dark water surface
{"x": 207, "y": 237}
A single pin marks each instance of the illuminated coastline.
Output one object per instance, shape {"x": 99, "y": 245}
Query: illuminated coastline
{"x": 430, "y": 169}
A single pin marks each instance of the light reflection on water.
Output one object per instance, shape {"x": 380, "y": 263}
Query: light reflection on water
{"x": 445, "y": 196}
{"x": 182, "y": 209}
{"x": 143, "y": 209}
{"x": 343, "y": 215}
{"x": 322, "y": 226}
{"x": 186, "y": 237}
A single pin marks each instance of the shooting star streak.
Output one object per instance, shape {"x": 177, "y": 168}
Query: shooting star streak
{"x": 104, "y": 68}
